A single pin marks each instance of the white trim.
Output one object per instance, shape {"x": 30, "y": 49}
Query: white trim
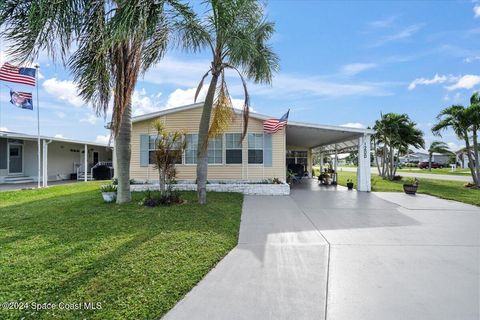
{"x": 23, "y": 136}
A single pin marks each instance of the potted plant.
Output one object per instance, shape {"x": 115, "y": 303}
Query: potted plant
{"x": 109, "y": 192}
{"x": 411, "y": 186}
{"x": 349, "y": 184}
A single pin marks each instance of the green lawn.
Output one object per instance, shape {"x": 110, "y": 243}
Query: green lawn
{"x": 452, "y": 190}
{"x": 63, "y": 244}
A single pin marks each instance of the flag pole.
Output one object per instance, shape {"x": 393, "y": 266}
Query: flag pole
{"x": 38, "y": 128}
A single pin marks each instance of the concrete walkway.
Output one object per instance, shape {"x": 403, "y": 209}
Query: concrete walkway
{"x": 32, "y": 185}
{"x": 421, "y": 174}
{"x": 327, "y": 253}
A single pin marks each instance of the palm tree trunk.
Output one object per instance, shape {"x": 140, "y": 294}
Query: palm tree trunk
{"x": 476, "y": 156}
{"x": 392, "y": 162}
{"x": 122, "y": 152}
{"x": 384, "y": 160}
{"x": 376, "y": 156}
{"x": 202, "y": 151}
{"x": 430, "y": 162}
{"x": 470, "y": 159}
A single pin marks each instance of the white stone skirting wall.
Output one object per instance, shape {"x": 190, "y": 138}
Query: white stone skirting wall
{"x": 245, "y": 188}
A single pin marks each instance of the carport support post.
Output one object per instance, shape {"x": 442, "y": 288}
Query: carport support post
{"x": 85, "y": 166}
{"x": 321, "y": 162}
{"x": 363, "y": 168}
{"x": 336, "y": 159}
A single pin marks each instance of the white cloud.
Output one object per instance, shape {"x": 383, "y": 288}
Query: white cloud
{"x": 423, "y": 81}
{"x": 64, "y": 90}
{"x": 355, "y": 68}
{"x": 468, "y": 81}
{"x": 181, "y": 73}
{"x": 142, "y": 103}
{"x": 102, "y": 139}
{"x": 357, "y": 125}
{"x": 181, "y": 97}
{"x": 476, "y": 11}
{"x": 91, "y": 118}
{"x": 59, "y": 135}
{"x": 401, "y": 35}
{"x": 456, "y": 98}
{"x": 287, "y": 86}
{"x": 455, "y": 146}
{"x": 471, "y": 59}
{"x": 4, "y": 129}
{"x": 382, "y": 23}
{"x": 60, "y": 114}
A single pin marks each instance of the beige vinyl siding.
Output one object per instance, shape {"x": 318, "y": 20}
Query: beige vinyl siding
{"x": 188, "y": 121}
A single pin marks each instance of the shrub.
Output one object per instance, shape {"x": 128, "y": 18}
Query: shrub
{"x": 412, "y": 181}
{"x": 397, "y": 178}
{"x": 154, "y": 199}
{"x": 108, "y": 188}
{"x": 131, "y": 181}
{"x": 276, "y": 181}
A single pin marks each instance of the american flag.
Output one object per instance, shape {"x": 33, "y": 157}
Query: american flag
{"x": 21, "y": 99}
{"x": 273, "y": 125}
{"x": 11, "y": 73}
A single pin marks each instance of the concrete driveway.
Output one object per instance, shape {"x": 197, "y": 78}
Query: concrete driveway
{"x": 326, "y": 253}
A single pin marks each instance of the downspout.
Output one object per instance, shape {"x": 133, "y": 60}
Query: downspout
{"x": 45, "y": 162}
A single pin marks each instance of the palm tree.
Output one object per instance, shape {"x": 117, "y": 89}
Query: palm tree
{"x": 463, "y": 121}
{"x": 113, "y": 42}
{"x": 473, "y": 113}
{"x": 394, "y": 134}
{"x": 237, "y": 35}
{"x": 436, "y": 147}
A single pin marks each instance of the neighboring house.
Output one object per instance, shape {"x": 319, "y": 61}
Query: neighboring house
{"x": 462, "y": 158}
{"x": 260, "y": 156}
{"x": 60, "y": 158}
{"x": 417, "y": 157}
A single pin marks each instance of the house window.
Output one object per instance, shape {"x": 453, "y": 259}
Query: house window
{"x": 233, "y": 146}
{"x": 255, "y": 148}
{"x": 297, "y": 157}
{"x": 215, "y": 150}
{"x": 191, "y": 150}
{"x": 152, "y": 147}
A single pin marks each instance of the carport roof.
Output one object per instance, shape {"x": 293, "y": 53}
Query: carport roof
{"x": 311, "y": 135}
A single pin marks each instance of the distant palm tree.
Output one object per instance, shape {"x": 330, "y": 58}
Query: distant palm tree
{"x": 113, "y": 42}
{"x": 237, "y": 35}
{"x": 394, "y": 134}
{"x": 437, "y": 147}
{"x": 465, "y": 123}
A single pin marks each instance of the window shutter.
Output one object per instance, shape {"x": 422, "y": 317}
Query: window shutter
{"x": 267, "y": 150}
{"x": 144, "y": 139}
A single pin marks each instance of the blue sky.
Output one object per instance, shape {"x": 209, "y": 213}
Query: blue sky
{"x": 341, "y": 63}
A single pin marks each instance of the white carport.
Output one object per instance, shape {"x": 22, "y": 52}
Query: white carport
{"x": 333, "y": 140}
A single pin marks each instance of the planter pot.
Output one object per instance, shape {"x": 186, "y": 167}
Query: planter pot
{"x": 410, "y": 188}
{"x": 109, "y": 196}
{"x": 350, "y": 185}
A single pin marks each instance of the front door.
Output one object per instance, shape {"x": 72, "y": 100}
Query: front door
{"x": 95, "y": 157}
{"x": 15, "y": 159}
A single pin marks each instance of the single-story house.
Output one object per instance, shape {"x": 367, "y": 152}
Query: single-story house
{"x": 258, "y": 157}
{"x": 60, "y": 159}
{"x": 462, "y": 158}
{"x": 417, "y": 157}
